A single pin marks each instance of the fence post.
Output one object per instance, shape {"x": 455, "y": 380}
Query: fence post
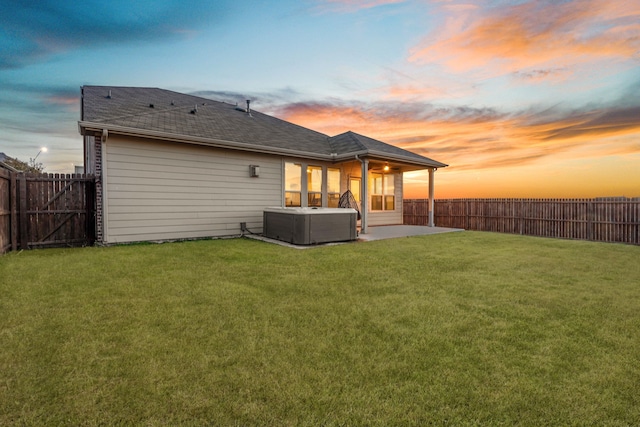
{"x": 521, "y": 216}
{"x": 590, "y": 214}
{"x": 467, "y": 215}
{"x": 13, "y": 218}
{"x": 637, "y": 217}
{"x": 24, "y": 244}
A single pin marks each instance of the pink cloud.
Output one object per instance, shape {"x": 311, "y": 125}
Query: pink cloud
{"x": 536, "y": 35}
{"x": 68, "y": 103}
{"x": 63, "y": 100}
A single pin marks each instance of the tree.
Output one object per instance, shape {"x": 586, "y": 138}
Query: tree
{"x": 21, "y": 166}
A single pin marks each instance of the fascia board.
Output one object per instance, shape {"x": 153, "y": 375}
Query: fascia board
{"x": 406, "y": 159}
{"x": 210, "y": 142}
{"x": 233, "y": 145}
{"x": 380, "y": 155}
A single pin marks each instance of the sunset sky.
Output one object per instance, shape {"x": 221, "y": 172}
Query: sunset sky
{"x": 520, "y": 98}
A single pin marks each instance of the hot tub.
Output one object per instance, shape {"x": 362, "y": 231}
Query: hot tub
{"x": 308, "y": 226}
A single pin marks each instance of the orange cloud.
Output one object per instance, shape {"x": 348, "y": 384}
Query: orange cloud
{"x": 544, "y": 36}
{"x": 63, "y": 100}
{"x": 474, "y": 139}
{"x": 68, "y": 102}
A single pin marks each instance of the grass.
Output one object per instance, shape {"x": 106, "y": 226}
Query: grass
{"x": 451, "y": 329}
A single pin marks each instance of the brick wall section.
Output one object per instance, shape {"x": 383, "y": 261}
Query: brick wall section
{"x": 99, "y": 186}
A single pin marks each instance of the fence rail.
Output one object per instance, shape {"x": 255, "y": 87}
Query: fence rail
{"x": 607, "y": 219}
{"x": 46, "y": 210}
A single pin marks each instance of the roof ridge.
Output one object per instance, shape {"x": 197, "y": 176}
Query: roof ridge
{"x": 355, "y": 136}
{"x": 331, "y": 144}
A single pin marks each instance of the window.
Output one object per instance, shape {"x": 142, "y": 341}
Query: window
{"x": 292, "y": 184}
{"x": 355, "y": 185}
{"x": 389, "y": 193}
{"x": 382, "y": 192}
{"x": 311, "y": 185}
{"x": 314, "y": 186}
{"x": 333, "y": 187}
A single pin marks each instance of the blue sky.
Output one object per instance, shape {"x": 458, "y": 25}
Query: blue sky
{"x": 521, "y": 98}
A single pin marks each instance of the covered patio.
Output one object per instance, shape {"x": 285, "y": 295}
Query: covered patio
{"x": 373, "y": 176}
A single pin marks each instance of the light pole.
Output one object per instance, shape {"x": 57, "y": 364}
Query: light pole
{"x": 43, "y": 149}
{"x": 33, "y": 163}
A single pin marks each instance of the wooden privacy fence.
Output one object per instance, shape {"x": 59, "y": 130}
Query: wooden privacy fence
{"x": 5, "y": 210}
{"x": 46, "y": 210}
{"x": 415, "y": 212}
{"x": 607, "y": 219}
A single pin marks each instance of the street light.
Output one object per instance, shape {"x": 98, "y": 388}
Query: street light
{"x": 43, "y": 149}
{"x": 32, "y": 162}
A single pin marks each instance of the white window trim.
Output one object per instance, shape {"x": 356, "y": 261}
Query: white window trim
{"x": 384, "y": 192}
{"x": 304, "y": 190}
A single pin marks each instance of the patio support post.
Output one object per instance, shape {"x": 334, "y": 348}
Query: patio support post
{"x": 364, "y": 204}
{"x": 431, "y": 195}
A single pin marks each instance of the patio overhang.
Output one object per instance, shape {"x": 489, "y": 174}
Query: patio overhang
{"x": 395, "y": 162}
{"x": 388, "y": 163}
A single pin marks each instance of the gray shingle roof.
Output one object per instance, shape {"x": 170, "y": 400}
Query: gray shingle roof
{"x": 353, "y": 142}
{"x": 188, "y": 116}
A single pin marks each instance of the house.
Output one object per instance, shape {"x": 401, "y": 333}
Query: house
{"x": 177, "y": 166}
{"x": 3, "y": 163}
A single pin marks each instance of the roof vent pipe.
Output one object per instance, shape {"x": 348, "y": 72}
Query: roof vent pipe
{"x": 109, "y": 96}
{"x": 248, "y": 109}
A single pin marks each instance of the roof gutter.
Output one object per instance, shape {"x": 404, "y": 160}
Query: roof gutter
{"x": 388, "y": 156}
{"x": 195, "y": 140}
{"x": 106, "y": 130}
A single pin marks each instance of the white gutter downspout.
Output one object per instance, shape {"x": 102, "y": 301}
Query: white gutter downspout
{"x": 431, "y": 196}
{"x": 364, "y": 204}
{"x": 103, "y": 181}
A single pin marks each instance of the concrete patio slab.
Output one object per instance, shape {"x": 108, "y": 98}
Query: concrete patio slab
{"x": 396, "y": 231}
{"x": 374, "y": 233}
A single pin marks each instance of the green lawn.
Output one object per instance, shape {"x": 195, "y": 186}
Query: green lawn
{"x": 451, "y": 329}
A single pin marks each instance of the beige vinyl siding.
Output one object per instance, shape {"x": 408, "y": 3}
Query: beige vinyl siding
{"x": 165, "y": 191}
{"x": 387, "y": 217}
